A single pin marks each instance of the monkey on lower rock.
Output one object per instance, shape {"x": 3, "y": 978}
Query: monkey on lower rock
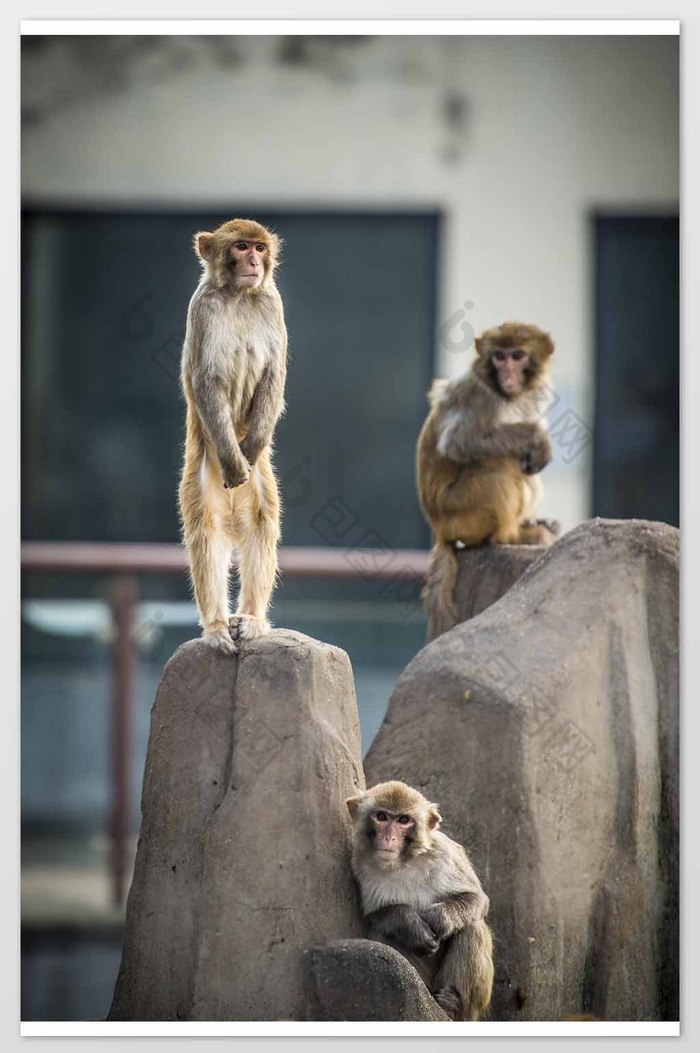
{"x": 420, "y": 895}
{"x": 234, "y": 363}
{"x": 480, "y": 451}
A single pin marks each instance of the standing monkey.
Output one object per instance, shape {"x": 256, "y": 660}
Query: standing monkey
{"x": 480, "y": 450}
{"x": 234, "y": 363}
{"x": 420, "y": 894}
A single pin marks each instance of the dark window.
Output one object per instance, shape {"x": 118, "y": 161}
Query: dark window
{"x": 635, "y": 471}
{"x": 105, "y": 299}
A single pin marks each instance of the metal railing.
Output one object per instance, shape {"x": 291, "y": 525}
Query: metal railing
{"x": 123, "y": 562}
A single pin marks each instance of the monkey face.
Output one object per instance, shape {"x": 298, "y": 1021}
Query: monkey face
{"x": 512, "y": 358}
{"x": 392, "y": 822}
{"x": 249, "y": 259}
{"x": 389, "y": 835}
{"x": 240, "y": 254}
{"x": 511, "y": 368}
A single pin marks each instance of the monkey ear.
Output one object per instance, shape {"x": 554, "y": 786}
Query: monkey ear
{"x": 480, "y": 345}
{"x": 353, "y": 804}
{"x": 203, "y": 244}
{"x": 434, "y": 817}
{"x": 548, "y": 344}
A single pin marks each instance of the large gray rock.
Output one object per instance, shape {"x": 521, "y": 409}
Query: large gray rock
{"x": 365, "y": 980}
{"x": 243, "y": 856}
{"x": 547, "y": 730}
{"x": 484, "y": 574}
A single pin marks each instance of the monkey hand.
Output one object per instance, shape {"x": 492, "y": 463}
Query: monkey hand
{"x": 252, "y": 446}
{"x": 538, "y": 455}
{"x": 419, "y": 936}
{"x": 438, "y": 920}
{"x": 235, "y": 472}
{"x": 404, "y": 925}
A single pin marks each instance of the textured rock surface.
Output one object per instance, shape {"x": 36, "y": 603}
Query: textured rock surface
{"x": 364, "y": 980}
{"x": 243, "y": 857}
{"x": 484, "y": 574}
{"x": 547, "y": 729}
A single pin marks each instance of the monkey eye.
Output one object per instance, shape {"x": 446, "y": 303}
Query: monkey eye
{"x": 404, "y": 820}
{"x": 381, "y": 817}
{"x": 502, "y": 356}
{"x": 242, "y": 245}
{"x": 261, "y": 248}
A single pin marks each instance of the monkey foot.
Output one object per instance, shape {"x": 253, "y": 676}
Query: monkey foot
{"x": 220, "y": 640}
{"x": 246, "y": 627}
{"x": 449, "y": 1001}
{"x": 552, "y": 525}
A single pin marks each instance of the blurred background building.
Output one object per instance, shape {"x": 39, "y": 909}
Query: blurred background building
{"x": 426, "y": 188}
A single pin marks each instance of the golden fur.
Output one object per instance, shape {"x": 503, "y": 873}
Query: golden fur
{"x": 233, "y": 373}
{"x": 478, "y": 457}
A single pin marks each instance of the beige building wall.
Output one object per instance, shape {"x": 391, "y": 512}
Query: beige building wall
{"x": 516, "y": 140}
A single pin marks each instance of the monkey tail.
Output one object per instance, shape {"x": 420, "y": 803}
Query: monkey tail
{"x": 480, "y": 970}
{"x": 438, "y": 591}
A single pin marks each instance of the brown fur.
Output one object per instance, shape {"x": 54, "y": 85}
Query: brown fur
{"x": 213, "y": 247}
{"x": 233, "y": 374}
{"x": 428, "y": 904}
{"x": 478, "y": 456}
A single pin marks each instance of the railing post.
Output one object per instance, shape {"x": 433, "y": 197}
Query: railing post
{"x": 123, "y": 562}
{"x": 123, "y": 597}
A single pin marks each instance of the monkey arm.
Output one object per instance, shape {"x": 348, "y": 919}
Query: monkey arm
{"x": 265, "y": 410}
{"x": 211, "y": 400}
{"x": 455, "y": 913}
{"x": 539, "y": 454}
{"x": 525, "y": 441}
{"x": 464, "y": 441}
{"x": 403, "y": 924}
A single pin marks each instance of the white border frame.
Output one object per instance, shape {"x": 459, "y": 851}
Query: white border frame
{"x": 540, "y": 27}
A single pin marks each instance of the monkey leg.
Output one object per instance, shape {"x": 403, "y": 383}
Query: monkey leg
{"x": 535, "y": 531}
{"x": 206, "y": 510}
{"x": 465, "y": 979}
{"x": 467, "y": 529}
{"x": 532, "y": 495}
{"x": 484, "y": 504}
{"x": 538, "y": 532}
{"x": 256, "y": 526}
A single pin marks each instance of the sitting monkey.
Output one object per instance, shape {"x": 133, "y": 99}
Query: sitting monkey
{"x": 420, "y": 895}
{"x": 480, "y": 451}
